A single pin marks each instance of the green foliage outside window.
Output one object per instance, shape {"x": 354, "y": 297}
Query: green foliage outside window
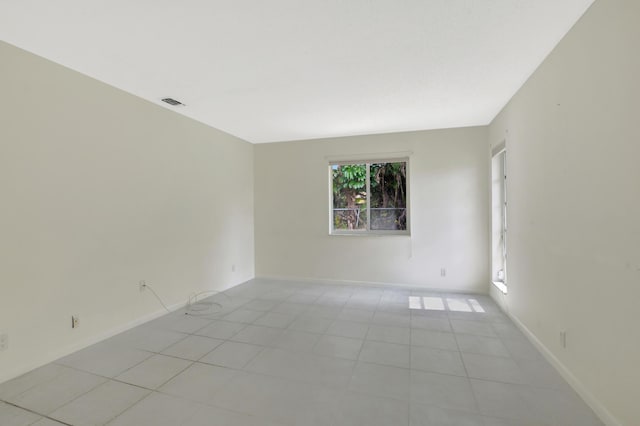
{"x": 387, "y": 197}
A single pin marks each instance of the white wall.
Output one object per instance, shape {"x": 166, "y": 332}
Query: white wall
{"x": 449, "y": 181}
{"x": 98, "y": 190}
{"x": 574, "y": 206}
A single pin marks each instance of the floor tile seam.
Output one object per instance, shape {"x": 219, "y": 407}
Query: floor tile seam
{"x": 152, "y": 354}
{"x": 231, "y": 339}
{"x": 222, "y": 341}
{"x": 363, "y": 393}
{"x": 162, "y": 351}
{"x": 38, "y": 384}
{"x": 504, "y": 357}
{"x": 48, "y": 415}
{"x": 113, "y": 379}
{"x": 415, "y": 368}
{"x": 263, "y": 348}
{"x": 460, "y": 410}
{"x": 379, "y": 365}
{"x": 410, "y": 364}
{"x": 200, "y": 360}
{"x": 226, "y": 338}
{"x": 312, "y": 353}
{"x": 510, "y": 356}
{"x": 295, "y": 316}
{"x": 35, "y": 412}
{"x": 408, "y": 422}
{"x": 531, "y": 411}
{"x": 357, "y": 360}
{"x": 476, "y": 335}
{"x": 442, "y": 406}
{"x": 414, "y": 400}
{"x": 436, "y": 349}
{"x": 268, "y": 326}
{"x": 127, "y": 346}
{"x": 466, "y": 370}
{"x": 85, "y": 392}
{"x": 300, "y": 381}
{"x": 171, "y": 378}
{"x": 209, "y": 404}
{"x": 57, "y": 376}
{"x": 380, "y": 395}
{"x": 366, "y": 338}
{"x": 192, "y": 401}
{"x": 525, "y": 385}
{"x": 205, "y": 364}
{"x": 350, "y": 320}
{"x": 273, "y": 345}
{"x": 436, "y": 373}
{"x": 133, "y": 405}
{"x": 241, "y": 307}
{"x": 113, "y": 417}
{"x": 196, "y": 360}
{"x": 187, "y": 335}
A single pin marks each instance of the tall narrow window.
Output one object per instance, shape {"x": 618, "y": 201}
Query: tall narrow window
{"x": 369, "y": 197}
{"x": 499, "y": 218}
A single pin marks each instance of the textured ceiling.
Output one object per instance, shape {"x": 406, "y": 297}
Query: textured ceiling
{"x": 299, "y": 69}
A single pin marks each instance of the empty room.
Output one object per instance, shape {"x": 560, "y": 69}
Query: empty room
{"x": 327, "y": 213}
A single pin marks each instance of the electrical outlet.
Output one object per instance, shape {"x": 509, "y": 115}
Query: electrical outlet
{"x": 4, "y": 341}
{"x": 233, "y": 268}
{"x": 75, "y": 321}
{"x": 443, "y": 272}
{"x": 563, "y": 339}
{"x": 143, "y": 285}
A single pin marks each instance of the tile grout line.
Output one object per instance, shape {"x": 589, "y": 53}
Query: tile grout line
{"x": 43, "y": 416}
{"x": 464, "y": 365}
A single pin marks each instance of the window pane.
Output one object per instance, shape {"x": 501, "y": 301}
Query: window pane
{"x": 349, "y": 196}
{"x": 389, "y": 196}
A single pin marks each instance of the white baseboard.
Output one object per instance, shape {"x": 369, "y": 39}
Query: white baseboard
{"x": 329, "y": 281}
{"x": 59, "y": 353}
{"x": 600, "y": 410}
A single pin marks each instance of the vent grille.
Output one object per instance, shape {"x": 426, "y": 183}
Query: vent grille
{"x": 172, "y": 101}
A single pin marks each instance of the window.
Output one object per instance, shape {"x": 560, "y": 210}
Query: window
{"x": 499, "y": 218}
{"x": 369, "y": 197}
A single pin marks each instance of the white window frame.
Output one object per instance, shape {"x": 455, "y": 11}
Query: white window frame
{"x": 499, "y": 156}
{"x": 368, "y": 161}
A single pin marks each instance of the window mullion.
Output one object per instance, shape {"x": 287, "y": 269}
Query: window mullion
{"x": 368, "y": 189}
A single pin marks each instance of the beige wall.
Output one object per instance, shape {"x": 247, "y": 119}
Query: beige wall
{"x": 574, "y": 206}
{"x": 449, "y": 181}
{"x": 99, "y": 190}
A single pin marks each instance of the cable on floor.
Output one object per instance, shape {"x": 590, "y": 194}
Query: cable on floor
{"x": 196, "y": 307}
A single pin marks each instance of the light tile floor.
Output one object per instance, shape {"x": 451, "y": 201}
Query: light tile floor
{"x": 282, "y": 353}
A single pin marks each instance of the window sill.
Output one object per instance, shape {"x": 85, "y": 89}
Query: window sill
{"x": 371, "y": 234}
{"x": 500, "y": 286}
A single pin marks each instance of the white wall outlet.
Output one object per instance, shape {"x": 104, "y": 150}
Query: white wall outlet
{"x": 75, "y": 321}
{"x": 4, "y": 341}
{"x": 233, "y": 268}
{"x": 142, "y": 285}
{"x": 563, "y": 338}
{"x": 443, "y": 272}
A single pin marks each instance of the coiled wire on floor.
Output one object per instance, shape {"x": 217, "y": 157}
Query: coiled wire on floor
{"x": 198, "y": 307}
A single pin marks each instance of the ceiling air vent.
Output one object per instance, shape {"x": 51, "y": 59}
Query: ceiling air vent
{"x": 172, "y": 101}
